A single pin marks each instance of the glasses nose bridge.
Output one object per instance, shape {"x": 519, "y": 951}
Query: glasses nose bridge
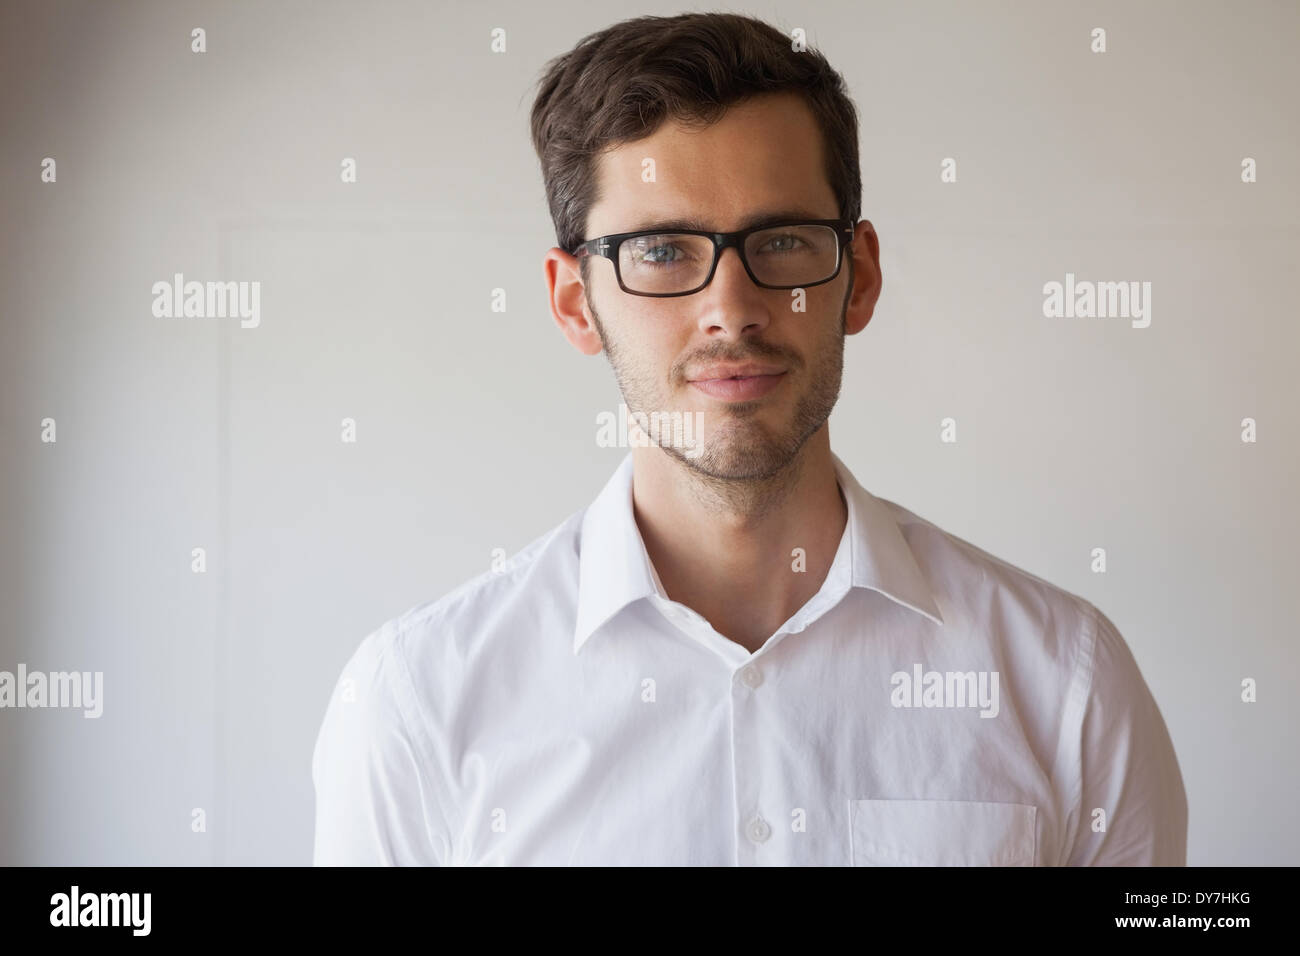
{"x": 722, "y": 241}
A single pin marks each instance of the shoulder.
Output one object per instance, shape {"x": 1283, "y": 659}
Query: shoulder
{"x": 403, "y": 667}
{"x": 991, "y": 596}
{"x": 533, "y": 585}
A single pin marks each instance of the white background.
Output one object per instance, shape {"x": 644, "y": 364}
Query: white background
{"x": 476, "y": 430}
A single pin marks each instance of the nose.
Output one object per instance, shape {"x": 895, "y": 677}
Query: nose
{"x": 732, "y": 304}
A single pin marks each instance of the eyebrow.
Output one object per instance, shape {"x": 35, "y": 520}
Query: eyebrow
{"x": 751, "y": 222}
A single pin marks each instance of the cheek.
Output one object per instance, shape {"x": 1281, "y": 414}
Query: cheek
{"x": 655, "y": 343}
{"x": 817, "y": 347}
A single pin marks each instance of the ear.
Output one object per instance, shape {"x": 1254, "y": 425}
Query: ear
{"x": 866, "y": 278}
{"x": 569, "y": 301}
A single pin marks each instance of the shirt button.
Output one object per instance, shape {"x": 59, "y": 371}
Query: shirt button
{"x": 759, "y": 830}
{"x": 751, "y": 676}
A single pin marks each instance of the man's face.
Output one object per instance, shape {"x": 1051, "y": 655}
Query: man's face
{"x": 763, "y": 157}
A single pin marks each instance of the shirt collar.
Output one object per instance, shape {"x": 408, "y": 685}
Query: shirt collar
{"x": 614, "y": 568}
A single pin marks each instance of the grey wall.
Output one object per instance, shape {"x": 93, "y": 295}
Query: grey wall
{"x": 475, "y": 429}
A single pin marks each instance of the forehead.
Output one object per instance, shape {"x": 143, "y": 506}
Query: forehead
{"x": 763, "y": 154}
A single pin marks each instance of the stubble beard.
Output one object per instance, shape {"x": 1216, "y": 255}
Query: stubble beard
{"x": 745, "y": 465}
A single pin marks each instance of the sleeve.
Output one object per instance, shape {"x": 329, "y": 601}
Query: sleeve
{"x": 1128, "y": 767}
{"x": 374, "y": 801}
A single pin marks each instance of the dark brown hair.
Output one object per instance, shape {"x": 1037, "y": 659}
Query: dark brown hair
{"x": 621, "y": 84}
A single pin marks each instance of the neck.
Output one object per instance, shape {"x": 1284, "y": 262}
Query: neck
{"x": 726, "y": 548}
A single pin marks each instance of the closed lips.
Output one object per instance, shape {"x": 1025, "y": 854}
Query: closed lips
{"x": 716, "y": 372}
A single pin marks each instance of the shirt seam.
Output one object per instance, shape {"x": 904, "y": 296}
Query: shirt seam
{"x": 403, "y": 688}
{"x": 1076, "y": 710}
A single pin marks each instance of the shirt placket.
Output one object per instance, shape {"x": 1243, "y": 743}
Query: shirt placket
{"x": 753, "y": 820}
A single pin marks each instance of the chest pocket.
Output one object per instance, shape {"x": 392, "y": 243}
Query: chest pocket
{"x": 940, "y": 833}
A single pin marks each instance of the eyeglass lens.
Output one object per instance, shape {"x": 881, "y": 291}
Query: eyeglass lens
{"x": 788, "y": 256}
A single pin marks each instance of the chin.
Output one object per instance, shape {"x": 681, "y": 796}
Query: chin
{"x": 736, "y": 458}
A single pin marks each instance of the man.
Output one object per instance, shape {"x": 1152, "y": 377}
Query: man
{"x": 736, "y": 654}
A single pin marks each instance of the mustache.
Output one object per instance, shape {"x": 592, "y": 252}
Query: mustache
{"x": 724, "y": 353}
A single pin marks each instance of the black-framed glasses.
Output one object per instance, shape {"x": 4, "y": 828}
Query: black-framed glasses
{"x": 792, "y": 254}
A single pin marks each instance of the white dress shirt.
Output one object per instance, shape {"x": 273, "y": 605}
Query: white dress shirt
{"x": 930, "y": 705}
